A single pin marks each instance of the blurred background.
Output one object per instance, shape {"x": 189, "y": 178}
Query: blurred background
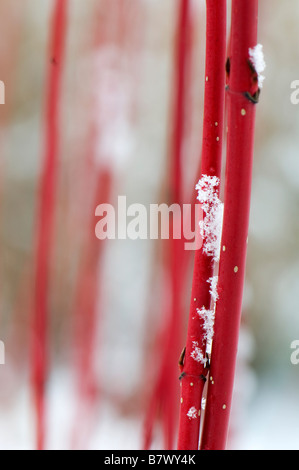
{"x": 116, "y": 113}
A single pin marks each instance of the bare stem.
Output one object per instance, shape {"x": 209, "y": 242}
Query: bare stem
{"x": 46, "y": 217}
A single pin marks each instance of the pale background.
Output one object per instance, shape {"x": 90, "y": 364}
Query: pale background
{"x": 266, "y": 405}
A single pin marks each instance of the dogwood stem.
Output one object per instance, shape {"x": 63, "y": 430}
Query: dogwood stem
{"x": 46, "y": 215}
{"x": 194, "y": 367}
{"x": 242, "y": 94}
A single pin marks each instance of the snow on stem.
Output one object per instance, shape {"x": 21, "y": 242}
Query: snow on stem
{"x": 45, "y": 220}
{"x": 193, "y": 367}
{"x": 242, "y": 95}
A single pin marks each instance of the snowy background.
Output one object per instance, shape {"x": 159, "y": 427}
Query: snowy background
{"x": 266, "y": 404}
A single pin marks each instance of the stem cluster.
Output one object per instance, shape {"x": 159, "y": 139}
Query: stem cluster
{"x": 213, "y": 376}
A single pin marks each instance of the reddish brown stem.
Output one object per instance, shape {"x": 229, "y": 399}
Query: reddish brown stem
{"x": 45, "y": 219}
{"x": 193, "y": 372}
{"x": 241, "y": 118}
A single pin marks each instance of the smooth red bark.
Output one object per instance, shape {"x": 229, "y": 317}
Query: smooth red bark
{"x": 241, "y": 119}
{"x": 46, "y": 213}
{"x": 192, "y": 382}
{"x": 182, "y": 62}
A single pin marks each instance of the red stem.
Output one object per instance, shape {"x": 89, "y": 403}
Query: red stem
{"x": 45, "y": 219}
{"x": 182, "y": 59}
{"x": 241, "y": 119}
{"x": 191, "y": 382}
{"x": 87, "y": 300}
{"x": 165, "y": 393}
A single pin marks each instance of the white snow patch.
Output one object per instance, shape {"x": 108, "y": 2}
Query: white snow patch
{"x": 197, "y": 354}
{"x": 211, "y": 225}
{"x": 257, "y": 58}
{"x": 213, "y": 281}
{"x": 209, "y": 318}
{"x": 192, "y": 413}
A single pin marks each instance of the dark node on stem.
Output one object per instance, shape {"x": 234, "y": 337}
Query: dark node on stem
{"x": 208, "y": 363}
{"x": 254, "y": 75}
{"x": 227, "y": 67}
{"x": 201, "y": 377}
{"x": 53, "y": 61}
{"x": 182, "y": 358}
{"x": 253, "y": 98}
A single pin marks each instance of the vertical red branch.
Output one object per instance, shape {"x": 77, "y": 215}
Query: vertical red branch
{"x": 165, "y": 392}
{"x": 194, "y": 370}
{"x": 87, "y": 298}
{"x": 242, "y": 94}
{"x": 177, "y": 258}
{"x": 45, "y": 219}
{"x": 116, "y": 47}
{"x": 181, "y": 64}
